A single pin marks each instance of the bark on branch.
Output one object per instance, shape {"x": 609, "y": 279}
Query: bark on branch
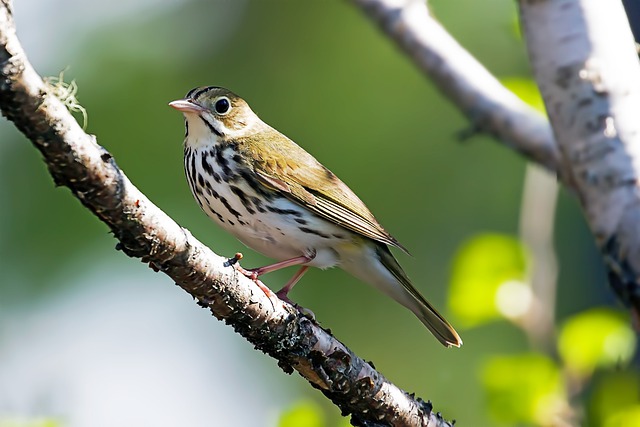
{"x": 76, "y": 161}
{"x": 590, "y": 82}
{"x": 488, "y": 105}
{"x": 587, "y": 68}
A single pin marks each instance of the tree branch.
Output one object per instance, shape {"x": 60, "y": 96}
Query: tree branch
{"x": 537, "y": 217}
{"x": 590, "y": 82}
{"x": 76, "y": 161}
{"x": 596, "y": 130}
{"x": 488, "y": 105}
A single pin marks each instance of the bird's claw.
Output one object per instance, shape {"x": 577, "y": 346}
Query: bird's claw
{"x": 304, "y": 311}
{"x": 250, "y": 274}
{"x": 281, "y": 295}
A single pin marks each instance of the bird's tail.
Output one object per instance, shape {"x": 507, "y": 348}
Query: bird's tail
{"x": 386, "y": 274}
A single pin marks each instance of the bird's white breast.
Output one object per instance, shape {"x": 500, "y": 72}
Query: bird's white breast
{"x": 268, "y": 223}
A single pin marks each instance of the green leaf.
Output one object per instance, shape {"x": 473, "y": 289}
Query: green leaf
{"x": 526, "y": 388}
{"x": 527, "y": 90}
{"x": 614, "y": 393}
{"x": 302, "y": 414}
{"x": 598, "y": 337}
{"x": 629, "y": 417}
{"x": 488, "y": 279}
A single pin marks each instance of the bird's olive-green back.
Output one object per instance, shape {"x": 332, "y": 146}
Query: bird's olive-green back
{"x": 282, "y": 165}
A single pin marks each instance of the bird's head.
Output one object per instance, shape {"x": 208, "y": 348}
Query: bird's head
{"x": 215, "y": 114}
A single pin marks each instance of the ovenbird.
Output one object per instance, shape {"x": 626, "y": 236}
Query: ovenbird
{"x": 279, "y": 200}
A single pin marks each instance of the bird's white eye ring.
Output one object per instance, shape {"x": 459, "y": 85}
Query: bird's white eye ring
{"x": 222, "y": 105}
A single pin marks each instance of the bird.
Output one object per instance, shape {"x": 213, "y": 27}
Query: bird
{"x": 277, "y": 199}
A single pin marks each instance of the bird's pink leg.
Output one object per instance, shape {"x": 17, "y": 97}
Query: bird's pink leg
{"x": 254, "y": 273}
{"x": 282, "y": 293}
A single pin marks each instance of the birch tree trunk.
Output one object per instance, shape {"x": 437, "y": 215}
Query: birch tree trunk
{"x": 584, "y": 60}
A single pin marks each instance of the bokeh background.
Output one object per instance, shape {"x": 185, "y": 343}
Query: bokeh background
{"x": 91, "y": 337}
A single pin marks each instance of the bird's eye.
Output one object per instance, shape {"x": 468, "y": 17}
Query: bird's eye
{"x": 222, "y": 105}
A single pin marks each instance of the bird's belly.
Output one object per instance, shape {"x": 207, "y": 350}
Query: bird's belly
{"x": 277, "y": 228}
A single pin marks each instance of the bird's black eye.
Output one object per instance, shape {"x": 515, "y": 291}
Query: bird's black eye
{"x": 222, "y": 105}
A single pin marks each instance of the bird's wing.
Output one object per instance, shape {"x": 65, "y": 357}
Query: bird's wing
{"x": 285, "y": 167}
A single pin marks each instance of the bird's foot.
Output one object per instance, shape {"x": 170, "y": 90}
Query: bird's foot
{"x": 282, "y": 294}
{"x": 304, "y": 311}
{"x": 268, "y": 292}
{"x": 250, "y": 274}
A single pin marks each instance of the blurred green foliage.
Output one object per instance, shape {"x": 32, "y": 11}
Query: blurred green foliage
{"x": 307, "y": 413}
{"x": 599, "y": 337}
{"x": 524, "y": 388}
{"x": 615, "y": 398}
{"x": 303, "y": 414}
{"x": 533, "y": 388}
{"x": 483, "y": 265}
{"x": 629, "y": 417}
{"x": 16, "y": 422}
{"x": 527, "y": 90}
{"x": 323, "y": 75}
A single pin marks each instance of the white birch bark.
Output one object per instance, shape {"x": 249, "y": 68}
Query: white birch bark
{"x": 584, "y": 60}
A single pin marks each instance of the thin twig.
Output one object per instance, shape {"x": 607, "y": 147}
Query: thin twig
{"x": 537, "y": 218}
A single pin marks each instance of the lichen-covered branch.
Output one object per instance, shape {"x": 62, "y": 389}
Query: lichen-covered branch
{"x": 590, "y": 82}
{"x": 488, "y": 105}
{"x": 76, "y": 161}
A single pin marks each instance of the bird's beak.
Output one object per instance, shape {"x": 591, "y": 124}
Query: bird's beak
{"x": 186, "y": 106}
